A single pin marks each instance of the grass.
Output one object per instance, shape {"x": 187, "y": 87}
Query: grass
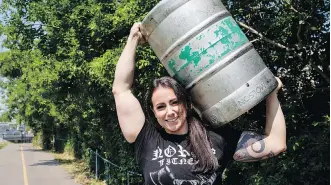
{"x": 3, "y": 144}
{"x": 77, "y": 168}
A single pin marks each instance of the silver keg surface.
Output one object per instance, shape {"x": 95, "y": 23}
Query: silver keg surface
{"x": 174, "y": 20}
{"x": 202, "y": 47}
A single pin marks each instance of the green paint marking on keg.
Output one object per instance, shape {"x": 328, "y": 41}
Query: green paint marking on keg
{"x": 186, "y": 54}
{"x": 221, "y": 31}
{"x": 212, "y": 58}
{"x": 229, "y": 42}
{"x": 229, "y": 37}
{"x": 232, "y": 42}
{"x": 199, "y": 37}
{"x": 203, "y": 51}
{"x": 171, "y": 64}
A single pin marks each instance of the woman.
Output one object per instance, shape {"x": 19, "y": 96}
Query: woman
{"x": 184, "y": 151}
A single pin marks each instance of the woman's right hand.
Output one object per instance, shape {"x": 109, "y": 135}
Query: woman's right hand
{"x": 130, "y": 114}
{"x": 135, "y": 32}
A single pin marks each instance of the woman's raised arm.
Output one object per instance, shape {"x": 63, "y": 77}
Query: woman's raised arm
{"x": 130, "y": 114}
{"x": 254, "y": 147}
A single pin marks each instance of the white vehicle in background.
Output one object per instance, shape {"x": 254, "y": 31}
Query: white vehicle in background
{"x": 12, "y": 132}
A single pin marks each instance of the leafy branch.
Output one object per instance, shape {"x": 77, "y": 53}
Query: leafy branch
{"x": 315, "y": 67}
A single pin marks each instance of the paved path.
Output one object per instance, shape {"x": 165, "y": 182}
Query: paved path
{"x": 21, "y": 164}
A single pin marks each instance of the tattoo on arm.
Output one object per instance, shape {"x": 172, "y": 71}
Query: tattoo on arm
{"x": 253, "y": 141}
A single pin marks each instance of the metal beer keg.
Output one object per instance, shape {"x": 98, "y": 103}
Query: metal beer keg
{"x": 203, "y": 48}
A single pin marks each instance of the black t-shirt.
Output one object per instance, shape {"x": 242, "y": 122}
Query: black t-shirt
{"x": 166, "y": 159}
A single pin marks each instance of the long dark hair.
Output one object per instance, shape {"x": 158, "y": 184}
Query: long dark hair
{"x": 199, "y": 141}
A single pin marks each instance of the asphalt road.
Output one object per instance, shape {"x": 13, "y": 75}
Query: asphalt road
{"x": 21, "y": 164}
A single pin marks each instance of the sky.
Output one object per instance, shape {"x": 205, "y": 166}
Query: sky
{"x": 1, "y": 40}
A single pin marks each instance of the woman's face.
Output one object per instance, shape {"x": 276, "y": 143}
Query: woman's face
{"x": 170, "y": 114}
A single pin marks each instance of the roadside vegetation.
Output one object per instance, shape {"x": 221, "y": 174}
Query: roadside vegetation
{"x": 3, "y": 144}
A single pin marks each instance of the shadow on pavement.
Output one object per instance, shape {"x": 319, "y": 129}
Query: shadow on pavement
{"x": 52, "y": 162}
{"x": 31, "y": 150}
{"x": 46, "y": 163}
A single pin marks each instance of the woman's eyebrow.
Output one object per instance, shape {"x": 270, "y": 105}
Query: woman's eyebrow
{"x": 159, "y": 104}
{"x": 174, "y": 99}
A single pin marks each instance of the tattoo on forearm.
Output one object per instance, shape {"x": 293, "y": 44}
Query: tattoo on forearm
{"x": 262, "y": 146}
{"x": 253, "y": 141}
{"x": 248, "y": 138}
